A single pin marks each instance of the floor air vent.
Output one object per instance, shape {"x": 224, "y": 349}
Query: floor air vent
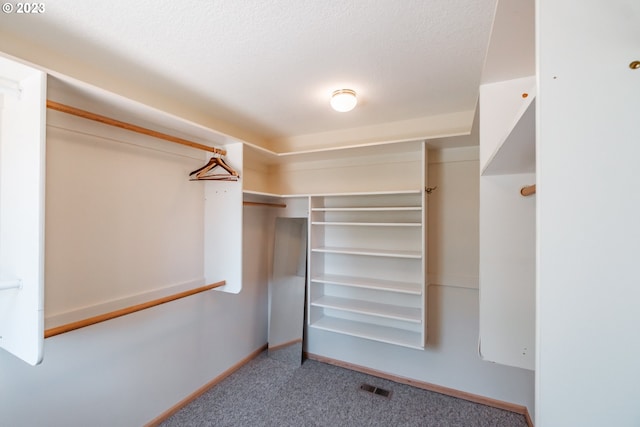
{"x": 375, "y": 390}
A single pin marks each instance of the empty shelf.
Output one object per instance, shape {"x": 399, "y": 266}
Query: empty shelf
{"x": 406, "y": 314}
{"x": 373, "y": 332}
{"x": 370, "y": 252}
{"x": 369, "y": 209}
{"x": 377, "y": 284}
{"x": 370, "y": 224}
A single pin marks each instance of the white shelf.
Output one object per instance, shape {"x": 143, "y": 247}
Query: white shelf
{"x": 260, "y": 193}
{"x": 369, "y": 224}
{"x": 369, "y": 209}
{"x": 370, "y": 252}
{"x": 260, "y": 197}
{"x": 348, "y": 194}
{"x": 366, "y": 193}
{"x": 388, "y": 311}
{"x": 386, "y": 334}
{"x": 375, "y": 284}
{"x": 517, "y": 153}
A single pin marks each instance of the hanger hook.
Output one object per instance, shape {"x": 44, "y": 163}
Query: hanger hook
{"x": 429, "y": 190}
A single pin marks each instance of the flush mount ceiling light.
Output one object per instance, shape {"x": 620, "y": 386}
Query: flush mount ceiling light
{"x": 343, "y": 100}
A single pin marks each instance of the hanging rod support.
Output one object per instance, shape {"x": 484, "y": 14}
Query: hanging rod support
{"x": 528, "y": 190}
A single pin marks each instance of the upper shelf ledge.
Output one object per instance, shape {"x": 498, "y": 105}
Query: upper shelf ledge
{"x": 507, "y": 127}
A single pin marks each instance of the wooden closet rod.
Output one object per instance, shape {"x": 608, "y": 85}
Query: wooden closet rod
{"x": 128, "y": 310}
{"x": 528, "y": 190}
{"x": 273, "y": 205}
{"x": 128, "y": 126}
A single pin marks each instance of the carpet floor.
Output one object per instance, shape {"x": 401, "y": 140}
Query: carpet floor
{"x": 271, "y": 392}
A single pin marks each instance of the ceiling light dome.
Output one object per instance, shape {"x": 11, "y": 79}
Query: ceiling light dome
{"x": 344, "y": 100}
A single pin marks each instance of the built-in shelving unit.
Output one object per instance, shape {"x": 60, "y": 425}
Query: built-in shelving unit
{"x": 366, "y": 242}
{"x": 366, "y": 268}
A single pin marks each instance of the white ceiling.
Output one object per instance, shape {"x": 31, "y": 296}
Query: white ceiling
{"x": 269, "y": 67}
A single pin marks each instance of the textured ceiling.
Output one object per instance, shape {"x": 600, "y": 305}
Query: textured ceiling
{"x": 268, "y": 67}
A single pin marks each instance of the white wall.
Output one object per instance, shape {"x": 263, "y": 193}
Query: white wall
{"x": 129, "y": 370}
{"x": 122, "y": 219}
{"x": 588, "y": 205}
{"x": 451, "y": 357}
{"x": 390, "y": 167}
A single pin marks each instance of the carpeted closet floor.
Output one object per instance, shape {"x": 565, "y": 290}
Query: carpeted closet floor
{"x": 271, "y": 392}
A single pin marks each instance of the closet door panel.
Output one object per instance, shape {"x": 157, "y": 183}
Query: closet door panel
{"x": 116, "y": 239}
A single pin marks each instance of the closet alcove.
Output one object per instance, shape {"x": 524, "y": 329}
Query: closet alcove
{"x": 507, "y": 222}
{"x": 114, "y": 211}
{"x": 367, "y": 209}
{"x": 392, "y": 271}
